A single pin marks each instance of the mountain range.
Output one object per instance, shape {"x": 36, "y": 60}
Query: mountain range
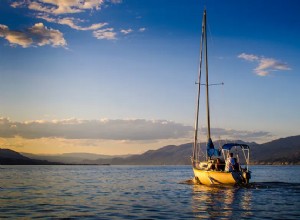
{"x": 280, "y": 151}
{"x": 10, "y": 157}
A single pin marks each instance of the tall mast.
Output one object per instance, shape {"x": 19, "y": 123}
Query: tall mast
{"x": 206, "y": 69}
{"x": 195, "y": 153}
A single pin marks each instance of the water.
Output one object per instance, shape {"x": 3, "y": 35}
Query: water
{"x": 143, "y": 192}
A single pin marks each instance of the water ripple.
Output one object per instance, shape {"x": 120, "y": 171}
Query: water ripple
{"x": 146, "y": 192}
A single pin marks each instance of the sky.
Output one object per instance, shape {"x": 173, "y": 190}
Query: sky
{"x": 118, "y": 76}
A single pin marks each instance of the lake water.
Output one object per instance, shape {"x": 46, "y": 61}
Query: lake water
{"x": 144, "y": 192}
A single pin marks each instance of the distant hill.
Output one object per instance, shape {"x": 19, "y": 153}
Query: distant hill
{"x": 280, "y": 151}
{"x": 72, "y": 158}
{"x": 168, "y": 155}
{"x": 9, "y": 157}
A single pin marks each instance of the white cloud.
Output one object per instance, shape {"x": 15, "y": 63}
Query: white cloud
{"x": 265, "y": 65}
{"x": 37, "y": 35}
{"x": 18, "y": 4}
{"x": 249, "y": 57}
{"x": 40, "y": 7}
{"x": 269, "y": 64}
{"x": 142, "y": 29}
{"x": 52, "y": 10}
{"x": 126, "y": 31}
{"x": 59, "y": 6}
{"x": 116, "y": 1}
{"x": 72, "y": 22}
{"x": 107, "y": 34}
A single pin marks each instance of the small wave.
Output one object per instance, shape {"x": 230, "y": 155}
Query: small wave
{"x": 251, "y": 185}
{"x": 188, "y": 182}
{"x": 216, "y": 186}
{"x": 264, "y": 185}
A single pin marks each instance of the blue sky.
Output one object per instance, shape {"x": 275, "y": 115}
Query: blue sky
{"x": 117, "y": 77}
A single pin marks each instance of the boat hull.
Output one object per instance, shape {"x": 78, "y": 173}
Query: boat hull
{"x": 212, "y": 177}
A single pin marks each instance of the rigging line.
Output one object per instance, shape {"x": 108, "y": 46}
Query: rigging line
{"x": 200, "y": 151}
{"x": 212, "y": 44}
{"x": 217, "y": 119}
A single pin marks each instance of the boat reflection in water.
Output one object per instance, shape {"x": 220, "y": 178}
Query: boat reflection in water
{"x": 221, "y": 202}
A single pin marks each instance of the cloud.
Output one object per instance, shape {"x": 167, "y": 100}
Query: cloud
{"x": 248, "y": 57}
{"x": 142, "y": 29}
{"x": 265, "y": 65}
{"x": 107, "y": 34}
{"x": 268, "y": 64}
{"x": 126, "y": 31}
{"x": 18, "y": 4}
{"x": 131, "y": 129}
{"x": 118, "y": 130}
{"x": 59, "y": 6}
{"x": 72, "y": 23}
{"x": 239, "y": 134}
{"x": 37, "y": 35}
{"x": 116, "y": 1}
{"x": 15, "y": 37}
{"x": 43, "y": 36}
{"x": 233, "y": 135}
{"x": 53, "y": 10}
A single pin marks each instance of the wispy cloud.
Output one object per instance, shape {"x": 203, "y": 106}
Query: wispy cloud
{"x": 59, "y": 6}
{"x": 18, "y": 4}
{"x": 101, "y": 34}
{"x": 142, "y": 29}
{"x": 248, "y": 57}
{"x": 116, "y": 1}
{"x": 53, "y": 11}
{"x": 37, "y": 35}
{"x": 269, "y": 64}
{"x": 126, "y": 31}
{"x": 265, "y": 65}
{"x": 72, "y": 23}
{"x": 108, "y": 34}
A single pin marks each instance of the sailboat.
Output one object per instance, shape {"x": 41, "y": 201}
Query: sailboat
{"x": 224, "y": 165}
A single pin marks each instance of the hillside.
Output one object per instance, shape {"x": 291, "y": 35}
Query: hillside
{"x": 283, "y": 150}
{"x": 72, "y": 158}
{"x": 9, "y": 157}
{"x": 280, "y": 151}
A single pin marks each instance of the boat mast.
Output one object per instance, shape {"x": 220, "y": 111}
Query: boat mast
{"x": 195, "y": 153}
{"x": 206, "y": 69}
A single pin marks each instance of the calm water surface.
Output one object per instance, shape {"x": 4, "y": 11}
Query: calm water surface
{"x": 144, "y": 192}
